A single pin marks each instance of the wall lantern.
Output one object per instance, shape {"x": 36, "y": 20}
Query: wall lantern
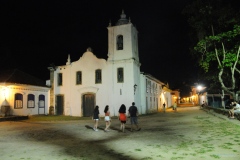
{"x": 135, "y": 87}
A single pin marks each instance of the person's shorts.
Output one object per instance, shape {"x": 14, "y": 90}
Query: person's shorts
{"x": 123, "y": 121}
{"x": 96, "y": 119}
{"x": 134, "y": 120}
{"x": 107, "y": 118}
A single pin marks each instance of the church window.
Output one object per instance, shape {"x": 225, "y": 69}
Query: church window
{"x": 79, "y": 77}
{"x": 31, "y": 101}
{"x": 119, "y": 42}
{"x": 59, "y": 79}
{"x": 41, "y": 101}
{"x": 18, "y": 101}
{"x": 120, "y": 75}
{"x": 98, "y": 76}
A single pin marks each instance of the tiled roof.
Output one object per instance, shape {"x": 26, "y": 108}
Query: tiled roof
{"x": 19, "y": 77}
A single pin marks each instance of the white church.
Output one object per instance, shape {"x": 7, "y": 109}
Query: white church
{"x": 78, "y": 86}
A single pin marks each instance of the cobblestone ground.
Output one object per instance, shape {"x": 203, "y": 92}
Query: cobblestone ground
{"x": 189, "y": 133}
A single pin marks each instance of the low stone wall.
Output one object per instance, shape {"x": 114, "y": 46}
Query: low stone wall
{"x": 185, "y": 105}
{"x": 223, "y": 111}
{"x": 5, "y": 110}
{"x": 13, "y": 118}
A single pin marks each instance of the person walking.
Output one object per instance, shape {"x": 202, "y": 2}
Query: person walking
{"x": 96, "y": 118}
{"x": 164, "y": 107}
{"x": 122, "y": 117}
{"x": 204, "y": 104}
{"x": 107, "y": 118}
{"x": 175, "y": 106}
{"x": 133, "y": 113}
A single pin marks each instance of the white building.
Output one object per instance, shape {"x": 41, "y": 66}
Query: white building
{"x": 22, "y": 94}
{"x": 77, "y": 87}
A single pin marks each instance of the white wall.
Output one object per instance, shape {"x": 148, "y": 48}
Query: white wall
{"x": 8, "y": 92}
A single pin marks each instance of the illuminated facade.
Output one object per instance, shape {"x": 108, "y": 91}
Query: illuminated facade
{"x": 22, "y": 94}
{"x": 77, "y": 87}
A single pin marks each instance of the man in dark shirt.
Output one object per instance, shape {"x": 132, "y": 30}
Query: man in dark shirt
{"x": 133, "y": 113}
{"x": 164, "y": 107}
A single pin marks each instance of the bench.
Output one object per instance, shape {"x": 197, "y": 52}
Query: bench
{"x": 223, "y": 111}
{"x": 237, "y": 114}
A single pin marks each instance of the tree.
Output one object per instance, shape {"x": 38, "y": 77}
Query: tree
{"x": 223, "y": 49}
{"x": 217, "y": 45}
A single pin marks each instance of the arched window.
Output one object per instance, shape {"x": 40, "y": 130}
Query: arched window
{"x": 98, "y": 76}
{"x": 31, "y": 101}
{"x": 120, "y": 75}
{"x": 79, "y": 77}
{"x": 59, "y": 79}
{"x": 119, "y": 42}
{"x": 41, "y": 99}
{"x": 18, "y": 101}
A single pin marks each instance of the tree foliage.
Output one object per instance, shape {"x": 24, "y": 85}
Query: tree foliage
{"x": 215, "y": 23}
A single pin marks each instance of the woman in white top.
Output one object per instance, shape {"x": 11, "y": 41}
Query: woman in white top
{"x": 236, "y": 108}
{"x": 107, "y": 118}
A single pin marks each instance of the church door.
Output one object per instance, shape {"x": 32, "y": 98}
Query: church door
{"x": 88, "y": 104}
{"x": 59, "y": 105}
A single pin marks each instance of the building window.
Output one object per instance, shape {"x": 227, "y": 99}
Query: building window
{"x": 31, "y": 101}
{"x": 79, "y": 77}
{"x": 154, "y": 103}
{"x": 98, "y": 76}
{"x": 160, "y": 89}
{"x": 120, "y": 75}
{"x": 153, "y": 90}
{"x": 59, "y": 79}
{"x": 147, "y": 85}
{"x": 41, "y": 99}
{"x": 18, "y": 101}
{"x": 119, "y": 42}
{"x": 150, "y": 102}
{"x": 150, "y": 84}
{"x": 147, "y": 103}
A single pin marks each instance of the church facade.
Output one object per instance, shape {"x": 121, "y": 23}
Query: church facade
{"x": 77, "y": 87}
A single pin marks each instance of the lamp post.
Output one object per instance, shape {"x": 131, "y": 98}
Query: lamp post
{"x": 199, "y": 88}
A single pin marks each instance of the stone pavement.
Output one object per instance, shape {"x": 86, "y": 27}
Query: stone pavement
{"x": 189, "y": 133}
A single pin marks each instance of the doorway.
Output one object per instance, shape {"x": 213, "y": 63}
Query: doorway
{"x": 88, "y": 104}
{"x": 59, "y": 104}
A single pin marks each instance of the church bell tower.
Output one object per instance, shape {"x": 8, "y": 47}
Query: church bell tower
{"x": 122, "y": 40}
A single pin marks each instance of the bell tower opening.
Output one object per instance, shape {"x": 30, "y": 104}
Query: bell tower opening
{"x": 123, "y": 40}
{"x": 119, "y": 42}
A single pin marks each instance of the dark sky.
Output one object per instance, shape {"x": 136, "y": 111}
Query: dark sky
{"x": 35, "y": 33}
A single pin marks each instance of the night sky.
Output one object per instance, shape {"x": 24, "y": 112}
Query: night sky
{"x": 36, "y": 33}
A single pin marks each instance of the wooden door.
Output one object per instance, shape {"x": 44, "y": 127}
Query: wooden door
{"x": 88, "y": 104}
{"x": 59, "y": 105}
